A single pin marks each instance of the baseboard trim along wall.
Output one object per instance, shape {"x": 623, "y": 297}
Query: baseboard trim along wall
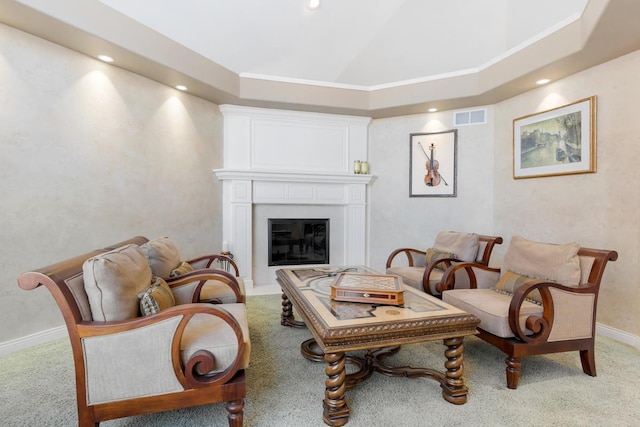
{"x": 61, "y": 332}
{"x": 618, "y": 335}
{"x": 33, "y": 340}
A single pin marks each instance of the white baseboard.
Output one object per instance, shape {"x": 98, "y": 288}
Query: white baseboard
{"x": 32, "y": 340}
{"x": 61, "y": 332}
{"x": 618, "y": 335}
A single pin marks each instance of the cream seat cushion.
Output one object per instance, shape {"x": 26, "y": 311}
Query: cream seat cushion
{"x": 412, "y": 276}
{"x": 491, "y": 307}
{"x": 206, "y": 332}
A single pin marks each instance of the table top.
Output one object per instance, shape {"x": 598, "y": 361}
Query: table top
{"x": 342, "y": 326}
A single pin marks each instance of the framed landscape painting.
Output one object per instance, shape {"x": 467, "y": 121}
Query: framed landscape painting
{"x": 560, "y": 141}
{"x": 432, "y": 164}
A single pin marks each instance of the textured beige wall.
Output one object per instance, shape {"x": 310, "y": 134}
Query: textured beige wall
{"x": 91, "y": 155}
{"x": 400, "y": 221}
{"x": 597, "y": 210}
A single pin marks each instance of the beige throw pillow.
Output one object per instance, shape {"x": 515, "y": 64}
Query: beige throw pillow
{"x": 554, "y": 262}
{"x": 464, "y": 245}
{"x": 162, "y": 255}
{"x": 113, "y": 280}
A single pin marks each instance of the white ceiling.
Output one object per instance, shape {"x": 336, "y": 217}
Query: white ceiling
{"x": 353, "y": 42}
{"x": 377, "y": 58}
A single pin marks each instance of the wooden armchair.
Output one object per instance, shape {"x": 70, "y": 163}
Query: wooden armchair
{"x": 523, "y": 315}
{"x": 180, "y": 356}
{"x": 449, "y": 247}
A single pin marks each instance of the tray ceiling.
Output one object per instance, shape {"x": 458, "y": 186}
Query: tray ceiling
{"x": 377, "y": 58}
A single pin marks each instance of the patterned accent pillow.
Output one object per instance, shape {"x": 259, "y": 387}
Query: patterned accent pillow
{"x": 510, "y": 281}
{"x": 434, "y": 255}
{"x": 156, "y": 297}
{"x": 183, "y": 268}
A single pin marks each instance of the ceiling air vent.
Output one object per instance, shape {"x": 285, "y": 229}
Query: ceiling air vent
{"x": 470, "y": 117}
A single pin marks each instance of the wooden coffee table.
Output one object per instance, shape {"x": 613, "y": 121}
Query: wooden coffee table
{"x": 341, "y": 327}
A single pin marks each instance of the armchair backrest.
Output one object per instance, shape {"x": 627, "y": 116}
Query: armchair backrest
{"x": 468, "y": 247}
{"x": 66, "y": 284}
{"x": 566, "y": 264}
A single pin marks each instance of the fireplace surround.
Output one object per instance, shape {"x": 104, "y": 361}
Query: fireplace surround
{"x": 291, "y": 164}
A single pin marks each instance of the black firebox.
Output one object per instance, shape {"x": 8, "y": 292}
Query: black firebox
{"x": 296, "y": 241}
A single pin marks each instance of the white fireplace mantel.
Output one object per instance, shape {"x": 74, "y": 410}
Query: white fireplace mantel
{"x": 276, "y": 176}
{"x": 292, "y": 159}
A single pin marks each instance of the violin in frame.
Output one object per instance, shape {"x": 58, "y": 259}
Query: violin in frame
{"x": 433, "y": 164}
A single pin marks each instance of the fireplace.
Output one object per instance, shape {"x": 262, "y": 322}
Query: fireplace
{"x": 297, "y": 241}
{"x": 292, "y": 164}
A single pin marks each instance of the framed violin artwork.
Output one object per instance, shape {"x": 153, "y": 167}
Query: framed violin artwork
{"x": 432, "y": 165}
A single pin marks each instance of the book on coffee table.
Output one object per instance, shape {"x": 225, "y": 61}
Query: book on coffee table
{"x": 368, "y": 288}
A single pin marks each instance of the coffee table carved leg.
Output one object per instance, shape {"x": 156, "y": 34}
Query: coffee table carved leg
{"x": 453, "y": 388}
{"x": 336, "y": 411}
{"x": 311, "y": 351}
{"x": 286, "y": 318}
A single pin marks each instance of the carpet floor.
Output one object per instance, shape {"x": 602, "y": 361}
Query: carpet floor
{"x": 284, "y": 389}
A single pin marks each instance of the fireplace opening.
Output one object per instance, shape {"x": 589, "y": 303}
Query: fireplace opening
{"x": 294, "y": 241}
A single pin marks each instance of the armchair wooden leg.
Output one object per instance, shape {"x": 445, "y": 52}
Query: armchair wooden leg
{"x": 85, "y": 418}
{"x": 513, "y": 372}
{"x": 234, "y": 412}
{"x": 588, "y": 359}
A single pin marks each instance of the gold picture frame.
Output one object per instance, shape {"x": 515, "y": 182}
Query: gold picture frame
{"x": 559, "y": 141}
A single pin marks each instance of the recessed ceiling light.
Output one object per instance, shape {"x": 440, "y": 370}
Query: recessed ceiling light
{"x": 543, "y": 81}
{"x": 313, "y": 4}
{"x": 105, "y": 58}
{"x": 432, "y": 110}
{"x": 181, "y": 87}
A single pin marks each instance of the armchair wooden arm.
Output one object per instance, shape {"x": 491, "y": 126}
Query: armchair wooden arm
{"x": 206, "y": 261}
{"x": 442, "y": 264}
{"x": 202, "y": 276}
{"x": 192, "y": 373}
{"x": 415, "y": 257}
{"x": 542, "y": 325}
{"x": 448, "y": 278}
